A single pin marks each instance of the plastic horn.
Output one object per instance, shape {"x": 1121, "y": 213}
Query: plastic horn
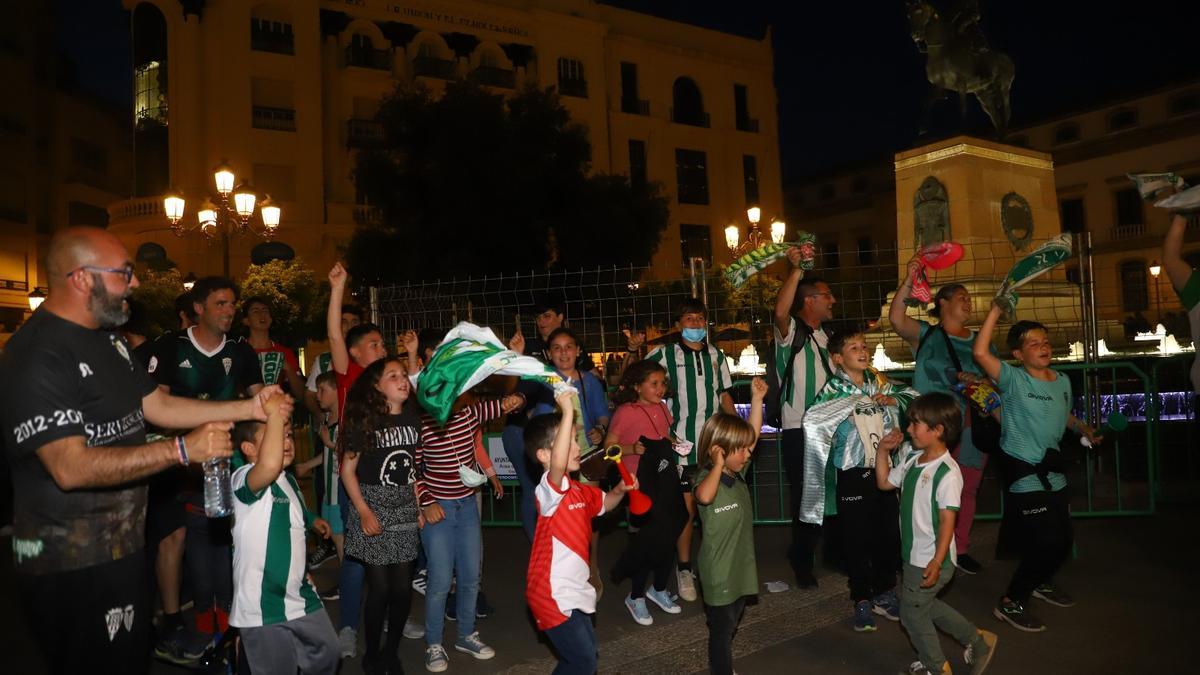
{"x": 1115, "y": 424}
{"x": 639, "y": 502}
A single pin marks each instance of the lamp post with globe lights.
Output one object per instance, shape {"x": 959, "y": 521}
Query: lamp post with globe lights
{"x": 755, "y": 237}
{"x": 231, "y": 214}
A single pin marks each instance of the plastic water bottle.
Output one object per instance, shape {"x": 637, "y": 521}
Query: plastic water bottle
{"x": 218, "y": 497}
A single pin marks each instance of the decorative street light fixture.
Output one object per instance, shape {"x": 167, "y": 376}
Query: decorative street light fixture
{"x": 755, "y": 237}
{"x": 1155, "y": 270}
{"x": 226, "y": 218}
{"x": 189, "y": 281}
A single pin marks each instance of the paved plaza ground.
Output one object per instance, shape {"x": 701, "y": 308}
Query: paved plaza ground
{"x": 1130, "y": 578}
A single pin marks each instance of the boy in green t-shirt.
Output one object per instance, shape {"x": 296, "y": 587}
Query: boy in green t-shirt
{"x": 727, "y": 568}
{"x": 1036, "y": 404}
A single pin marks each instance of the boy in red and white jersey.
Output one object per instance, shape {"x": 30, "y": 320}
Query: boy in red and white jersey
{"x": 557, "y": 587}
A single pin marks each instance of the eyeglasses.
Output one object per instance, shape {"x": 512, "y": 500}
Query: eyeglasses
{"x": 126, "y": 271}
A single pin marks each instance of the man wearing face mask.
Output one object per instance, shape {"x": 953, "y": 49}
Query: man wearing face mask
{"x": 700, "y": 382}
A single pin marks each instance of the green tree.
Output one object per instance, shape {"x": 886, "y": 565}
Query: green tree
{"x": 297, "y": 299}
{"x": 472, "y": 183}
{"x": 156, "y": 295}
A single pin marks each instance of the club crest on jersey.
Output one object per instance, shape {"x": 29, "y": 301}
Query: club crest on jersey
{"x": 228, "y": 363}
{"x": 121, "y": 349}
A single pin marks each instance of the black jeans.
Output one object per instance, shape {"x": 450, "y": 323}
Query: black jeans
{"x": 208, "y": 559}
{"x": 722, "y": 626}
{"x": 575, "y": 642}
{"x": 870, "y": 533}
{"x": 91, "y": 620}
{"x": 804, "y": 535}
{"x": 1043, "y": 535}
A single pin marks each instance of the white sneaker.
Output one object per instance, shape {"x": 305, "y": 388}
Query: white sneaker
{"x": 348, "y": 641}
{"x": 472, "y": 645}
{"x": 436, "y": 659}
{"x": 687, "y": 585}
{"x": 638, "y": 610}
{"x": 413, "y": 629}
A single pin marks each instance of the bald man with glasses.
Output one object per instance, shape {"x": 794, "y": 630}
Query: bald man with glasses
{"x": 75, "y": 410}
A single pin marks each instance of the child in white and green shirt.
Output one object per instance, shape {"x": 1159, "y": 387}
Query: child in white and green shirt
{"x": 282, "y": 622}
{"x": 930, "y": 485}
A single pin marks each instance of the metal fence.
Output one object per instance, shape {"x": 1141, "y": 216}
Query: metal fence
{"x": 1119, "y": 478}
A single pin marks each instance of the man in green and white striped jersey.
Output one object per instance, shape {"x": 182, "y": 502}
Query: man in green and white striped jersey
{"x": 700, "y": 384}
{"x": 283, "y": 624}
{"x": 803, "y": 365}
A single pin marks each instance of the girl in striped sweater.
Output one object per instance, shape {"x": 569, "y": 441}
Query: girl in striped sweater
{"x": 447, "y": 480}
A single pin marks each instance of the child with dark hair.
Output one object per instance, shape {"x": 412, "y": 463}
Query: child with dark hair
{"x": 284, "y": 627}
{"x": 1037, "y": 518}
{"x": 930, "y": 486}
{"x": 856, "y": 407}
{"x": 379, "y": 469}
{"x": 727, "y": 564}
{"x": 556, "y": 587}
{"x": 642, "y": 427}
{"x": 702, "y": 381}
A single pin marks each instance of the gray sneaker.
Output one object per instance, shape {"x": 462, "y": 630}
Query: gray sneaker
{"x": 436, "y": 660}
{"x": 979, "y": 653}
{"x": 472, "y": 645}
{"x": 348, "y": 642}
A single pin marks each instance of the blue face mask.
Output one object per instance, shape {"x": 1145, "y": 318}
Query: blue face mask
{"x": 694, "y": 334}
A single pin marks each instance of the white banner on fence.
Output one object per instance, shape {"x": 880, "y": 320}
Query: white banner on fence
{"x": 495, "y": 448}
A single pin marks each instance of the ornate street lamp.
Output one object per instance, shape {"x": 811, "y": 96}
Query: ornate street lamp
{"x": 755, "y": 237}
{"x": 229, "y": 214}
{"x": 36, "y": 298}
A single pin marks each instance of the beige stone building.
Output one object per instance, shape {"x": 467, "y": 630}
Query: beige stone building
{"x": 1092, "y": 150}
{"x": 285, "y": 92}
{"x": 66, "y": 154}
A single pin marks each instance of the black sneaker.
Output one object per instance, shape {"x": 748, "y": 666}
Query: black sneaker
{"x": 1053, "y": 596}
{"x": 968, "y": 565}
{"x": 482, "y": 608}
{"x": 1014, "y": 614}
{"x": 805, "y": 579}
{"x": 171, "y": 647}
{"x": 322, "y": 554}
{"x": 331, "y": 594}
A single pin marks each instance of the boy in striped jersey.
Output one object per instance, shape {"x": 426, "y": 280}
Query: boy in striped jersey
{"x": 283, "y": 624}
{"x": 701, "y": 382}
{"x": 930, "y": 485}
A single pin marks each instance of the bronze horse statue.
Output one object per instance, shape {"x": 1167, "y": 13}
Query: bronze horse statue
{"x": 959, "y": 59}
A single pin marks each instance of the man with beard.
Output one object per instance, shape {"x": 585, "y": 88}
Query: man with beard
{"x": 201, "y": 362}
{"x": 74, "y": 429}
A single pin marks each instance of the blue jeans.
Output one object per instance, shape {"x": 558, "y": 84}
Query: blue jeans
{"x": 575, "y": 641}
{"x": 454, "y": 548}
{"x": 350, "y": 577}
{"x": 514, "y": 447}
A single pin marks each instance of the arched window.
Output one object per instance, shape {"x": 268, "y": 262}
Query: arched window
{"x": 1135, "y": 295}
{"x": 687, "y": 106}
{"x": 151, "y": 167}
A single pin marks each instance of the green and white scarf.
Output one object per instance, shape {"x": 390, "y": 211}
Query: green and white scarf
{"x": 468, "y": 355}
{"x": 838, "y": 401}
{"x": 1043, "y": 259}
{"x": 755, "y": 261}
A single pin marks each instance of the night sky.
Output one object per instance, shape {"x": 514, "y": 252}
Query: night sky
{"x": 850, "y": 81}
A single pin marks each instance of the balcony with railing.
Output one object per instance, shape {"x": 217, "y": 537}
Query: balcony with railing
{"x": 635, "y": 106}
{"x": 691, "y": 118}
{"x": 271, "y": 37}
{"x": 367, "y": 215}
{"x": 747, "y": 124}
{"x": 366, "y": 57}
{"x": 431, "y": 66}
{"x": 362, "y": 133}
{"x": 273, "y": 119}
{"x": 1131, "y": 231}
{"x": 573, "y": 87}
{"x": 491, "y": 76}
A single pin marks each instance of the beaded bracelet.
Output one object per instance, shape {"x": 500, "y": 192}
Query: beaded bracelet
{"x": 182, "y": 448}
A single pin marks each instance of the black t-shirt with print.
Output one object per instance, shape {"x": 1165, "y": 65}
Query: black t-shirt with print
{"x": 388, "y": 454}
{"x": 62, "y": 380}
